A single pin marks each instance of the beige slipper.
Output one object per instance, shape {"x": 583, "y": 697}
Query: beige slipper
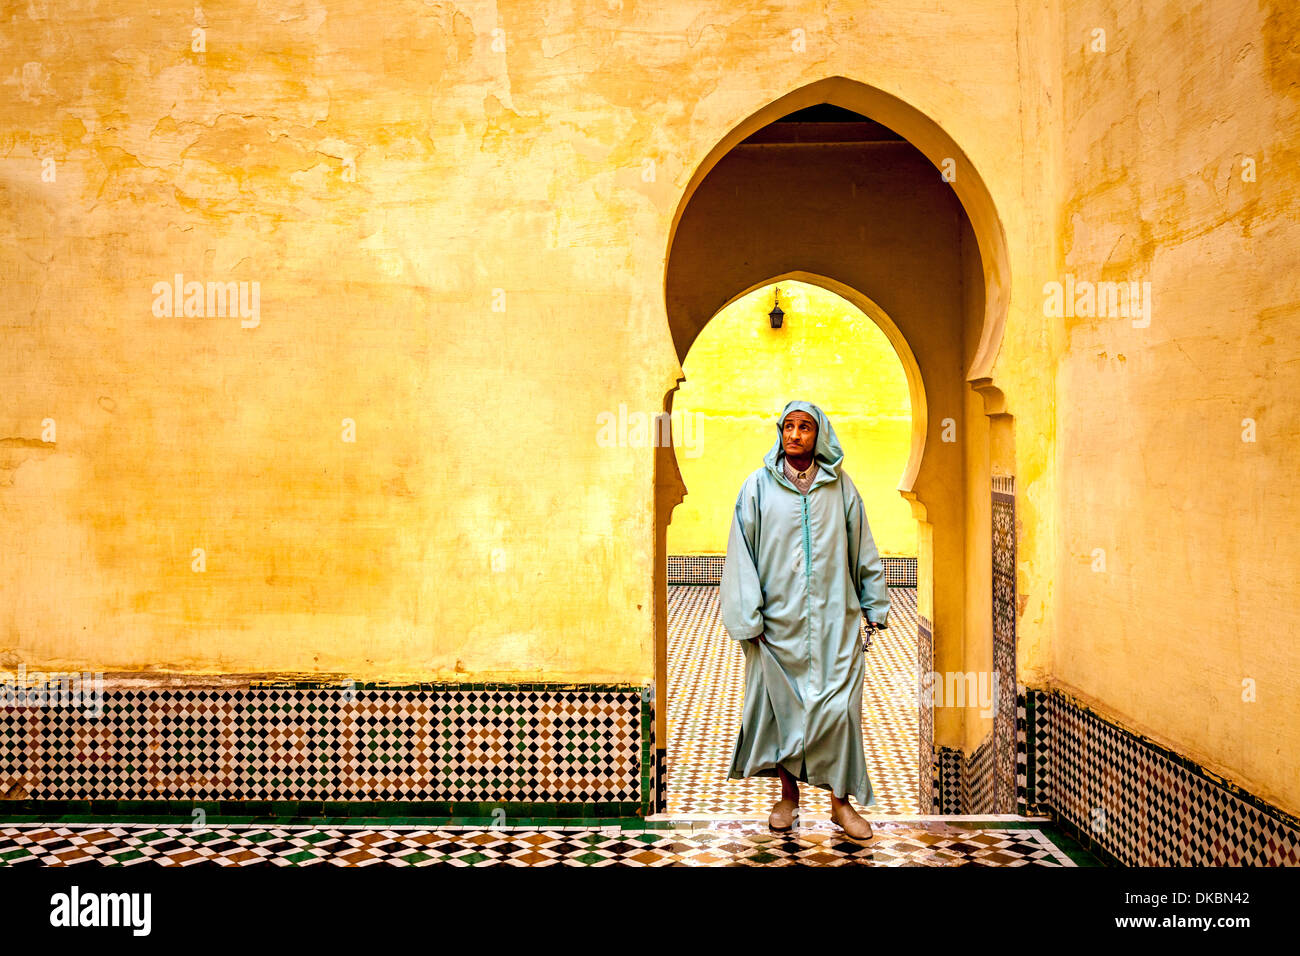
{"x": 781, "y": 819}
{"x": 854, "y": 827}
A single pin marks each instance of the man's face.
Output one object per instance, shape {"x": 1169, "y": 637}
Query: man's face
{"x": 799, "y": 434}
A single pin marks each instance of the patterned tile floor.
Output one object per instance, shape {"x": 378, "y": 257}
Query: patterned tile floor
{"x": 706, "y": 689}
{"x": 715, "y": 843}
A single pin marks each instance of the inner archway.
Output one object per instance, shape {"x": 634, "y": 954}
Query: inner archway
{"x": 740, "y": 373}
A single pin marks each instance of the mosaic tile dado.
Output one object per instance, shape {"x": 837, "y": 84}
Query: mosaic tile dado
{"x": 456, "y": 744}
{"x": 1125, "y": 798}
{"x": 977, "y": 779}
{"x": 1138, "y": 803}
{"x": 1032, "y": 752}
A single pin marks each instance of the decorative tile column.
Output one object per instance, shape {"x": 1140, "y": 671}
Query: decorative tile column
{"x": 927, "y": 768}
{"x": 1004, "y": 644}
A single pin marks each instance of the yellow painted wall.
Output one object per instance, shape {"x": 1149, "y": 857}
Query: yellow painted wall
{"x": 740, "y": 373}
{"x": 458, "y": 220}
{"x": 1177, "y": 603}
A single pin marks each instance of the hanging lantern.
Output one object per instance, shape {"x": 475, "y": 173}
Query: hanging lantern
{"x": 776, "y": 315}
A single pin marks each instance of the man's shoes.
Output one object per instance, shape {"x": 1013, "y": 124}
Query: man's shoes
{"x": 781, "y": 819}
{"x": 854, "y": 827}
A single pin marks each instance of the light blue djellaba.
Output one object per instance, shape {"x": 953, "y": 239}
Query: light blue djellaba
{"x": 802, "y": 570}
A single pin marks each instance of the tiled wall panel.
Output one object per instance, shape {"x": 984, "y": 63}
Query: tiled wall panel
{"x": 1141, "y": 803}
{"x": 928, "y": 787}
{"x": 459, "y": 743}
{"x": 999, "y": 764}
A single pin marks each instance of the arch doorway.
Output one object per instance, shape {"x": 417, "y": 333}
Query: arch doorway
{"x": 740, "y": 372}
{"x": 844, "y": 186}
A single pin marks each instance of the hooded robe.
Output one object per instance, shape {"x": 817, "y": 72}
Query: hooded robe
{"x": 802, "y": 570}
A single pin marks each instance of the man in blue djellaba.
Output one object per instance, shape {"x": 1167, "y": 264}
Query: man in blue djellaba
{"x": 801, "y": 582}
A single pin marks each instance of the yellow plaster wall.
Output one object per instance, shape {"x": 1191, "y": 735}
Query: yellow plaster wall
{"x": 1178, "y": 564}
{"x": 740, "y": 373}
{"x": 484, "y": 285}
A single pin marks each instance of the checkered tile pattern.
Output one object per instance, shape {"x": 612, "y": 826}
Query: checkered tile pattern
{"x": 706, "y": 677}
{"x": 1032, "y": 752}
{"x": 977, "y": 779}
{"x": 962, "y": 784}
{"x": 996, "y": 771}
{"x": 1141, "y": 803}
{"x": 455, "y": 744}
{"x": 922, "y": 843}
{"x": 947, "y": 776}
{"x": 927, "y": 763}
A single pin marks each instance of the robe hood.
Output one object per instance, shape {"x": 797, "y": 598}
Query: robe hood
{"x": 826, "y": 453}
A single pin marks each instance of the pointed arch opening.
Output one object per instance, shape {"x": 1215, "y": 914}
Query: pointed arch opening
{"x": 845, "y": 186}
